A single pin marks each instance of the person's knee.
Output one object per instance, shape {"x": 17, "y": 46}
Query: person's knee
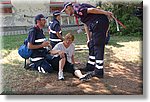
{"x": 49, "y": 69}
{"x": 45, "y": 68}
{"x": 62, "y": 59}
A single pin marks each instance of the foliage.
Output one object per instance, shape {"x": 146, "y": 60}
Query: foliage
{"x": 125, "y": 12}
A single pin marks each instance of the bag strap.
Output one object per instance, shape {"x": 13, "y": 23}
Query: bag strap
{"x": 117, "y": 21}
{"x": 25, "y": 63}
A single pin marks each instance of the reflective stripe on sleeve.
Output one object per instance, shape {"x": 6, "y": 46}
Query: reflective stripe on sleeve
{"x": 40, "y": 40}
{"x": 54, "y": 39}
{"x": 36, "y": 59}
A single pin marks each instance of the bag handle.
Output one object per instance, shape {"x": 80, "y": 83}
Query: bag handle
{"x": 117, "y": 21}
{"x": 25, "y": 63}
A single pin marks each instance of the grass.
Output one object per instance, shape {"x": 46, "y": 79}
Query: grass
{"x": 123, "y": 69}
{"x": 12, "y": 42}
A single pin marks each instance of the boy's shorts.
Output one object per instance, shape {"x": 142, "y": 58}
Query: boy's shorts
{"x": 67, "y": 68}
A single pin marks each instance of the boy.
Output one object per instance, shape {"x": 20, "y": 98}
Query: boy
{"x": 68, "y": 48}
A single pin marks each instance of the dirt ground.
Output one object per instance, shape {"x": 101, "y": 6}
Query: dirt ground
{"x": 123, "y": 75}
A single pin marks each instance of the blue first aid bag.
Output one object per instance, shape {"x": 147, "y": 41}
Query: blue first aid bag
{"x": 23, "y": 50}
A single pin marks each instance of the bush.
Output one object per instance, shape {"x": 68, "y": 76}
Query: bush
{"x": 125, "y": 13}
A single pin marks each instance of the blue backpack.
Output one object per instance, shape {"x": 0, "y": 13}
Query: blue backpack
{"x": 23, "y": 50}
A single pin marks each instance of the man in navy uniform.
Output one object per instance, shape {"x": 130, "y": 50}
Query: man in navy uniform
{"x": 41, "y": 58}
{"x": 97, "y": 22}
{"x": 55, "y": 29}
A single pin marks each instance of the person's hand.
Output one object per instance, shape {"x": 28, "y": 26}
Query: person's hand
{"x": 50, "y": 46}
{"x": 77, "y": 62}
{"x": 109, "y": 14}
{"x": 61, "y": 54}
{"x": 45, "y": 44}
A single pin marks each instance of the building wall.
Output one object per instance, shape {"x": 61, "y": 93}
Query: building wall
{"x": 23, "y": 12}
{"x": 29, "y": 8}
{"x": 92, "y": 2}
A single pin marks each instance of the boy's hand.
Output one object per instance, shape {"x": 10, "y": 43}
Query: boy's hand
{"x": 61, "y": 54}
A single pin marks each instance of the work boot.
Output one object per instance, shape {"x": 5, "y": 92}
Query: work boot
{"x": 99, "y": 73}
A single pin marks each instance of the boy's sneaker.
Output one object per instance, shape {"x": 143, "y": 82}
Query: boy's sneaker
{"x": 60, "y": 76}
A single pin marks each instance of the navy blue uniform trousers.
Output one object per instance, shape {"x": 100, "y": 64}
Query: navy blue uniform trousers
{"x": 97, "y": 44}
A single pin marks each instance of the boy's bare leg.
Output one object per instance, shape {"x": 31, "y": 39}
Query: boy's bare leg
{"x": 78, "y": 73}
{"x": 61, "y": 66}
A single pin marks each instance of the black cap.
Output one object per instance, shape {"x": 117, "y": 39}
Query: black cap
{"x": 55, "y": 13}
{"x": 65, "y": 6}
{"x": 39, "y": 16}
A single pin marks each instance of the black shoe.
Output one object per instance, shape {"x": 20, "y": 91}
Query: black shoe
{"x": 98, "y": 73}
{"x": 86, "y": 77}
{"x": 98, "y": 76}
{"x": 28, "y": 66}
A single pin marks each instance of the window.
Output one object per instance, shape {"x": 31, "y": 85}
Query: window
{"x": 52, "y": 9}
{"x": 6, "y": 7}
{"x": 72, "y": 20}
{"x": 64, "y": 20}
{"x": 6, "y": 10}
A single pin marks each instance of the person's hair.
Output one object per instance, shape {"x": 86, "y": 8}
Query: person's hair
{"x": 38, "y": 17}
{"x": 35, "y": 21}
{"x": 69, "y": 36}
{"x": 55, "y": 16}
{"x": 70, "y": 5}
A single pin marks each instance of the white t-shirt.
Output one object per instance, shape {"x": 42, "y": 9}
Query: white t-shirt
{"x": 69, "y": 51}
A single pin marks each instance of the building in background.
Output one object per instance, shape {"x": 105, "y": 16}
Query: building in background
{"x": 22, "y": 12}
{"x": 18, "y": 15}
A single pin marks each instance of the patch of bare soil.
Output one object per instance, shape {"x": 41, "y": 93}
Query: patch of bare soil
{"x": 123, "y": 75}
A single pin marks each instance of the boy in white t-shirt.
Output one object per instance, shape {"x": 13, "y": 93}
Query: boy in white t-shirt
{"x": 67, "y": 47}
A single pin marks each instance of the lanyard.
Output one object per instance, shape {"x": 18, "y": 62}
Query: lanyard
{"x": 117, "y": 21}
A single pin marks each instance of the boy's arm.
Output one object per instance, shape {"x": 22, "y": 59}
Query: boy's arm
{"x": 73, "y": 61}
{"x": 57, "y": 52}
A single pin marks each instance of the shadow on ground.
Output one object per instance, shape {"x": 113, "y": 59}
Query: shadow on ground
{"x": 121, "y": 78}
